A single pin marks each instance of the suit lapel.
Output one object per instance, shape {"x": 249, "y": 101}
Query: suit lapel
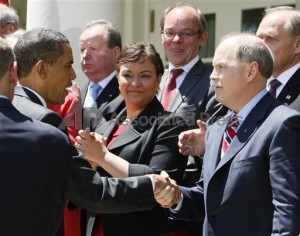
{"x": 191, "y": 79}
{"x": 6, "y": 103}
{"x": 134, "y": 130}
{"x": 24, "y": 92}
{"x": 214, "y": 148}
{"x": 128, "y": 136}
{"x": 247, "y": 129}
{"x": 108, "y": 93}
{"x": 291, "y": 90}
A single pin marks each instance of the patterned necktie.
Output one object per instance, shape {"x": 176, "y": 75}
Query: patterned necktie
{"x": 274, "y": 84}
{"x": 230, "y": 133}
{"x": 95, "y": 91}
{"x": 170, "y": 88}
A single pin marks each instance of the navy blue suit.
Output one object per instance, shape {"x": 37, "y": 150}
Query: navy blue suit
{"x": 255, "y": 188}
{"x": 290, "y": 94}
{"x": 35, "y": 160}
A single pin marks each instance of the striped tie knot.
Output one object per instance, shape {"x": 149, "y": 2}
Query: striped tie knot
{"x": 230, "y": 133}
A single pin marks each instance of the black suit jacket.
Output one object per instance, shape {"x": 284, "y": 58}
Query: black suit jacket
{"x": 100, "y": 194}
{"x": 149, "y": 144}
{"x": 289, "y": 95}
{"x": 35, "y": 159}
{"x": 109, "y": 104}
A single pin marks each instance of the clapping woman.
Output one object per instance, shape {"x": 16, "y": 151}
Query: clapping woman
{"x": 141, "y": 140}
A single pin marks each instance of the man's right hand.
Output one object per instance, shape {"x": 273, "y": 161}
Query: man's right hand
{"x": 166, "y": 191}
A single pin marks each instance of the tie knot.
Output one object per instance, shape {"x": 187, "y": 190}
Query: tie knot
{"x": 95, "y": 91}
{"x": 174, "y": 73}
{"x": 274, "y": 84}
{"x": 234, "y": 121}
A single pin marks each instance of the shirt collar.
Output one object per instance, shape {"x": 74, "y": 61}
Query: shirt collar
{"x": 103, "y": 83}
{"x": 39, "y": 96}
{"x": 186, "y": 67}
{"x": 285, "y": 76}
{"x": 244, "y": 112}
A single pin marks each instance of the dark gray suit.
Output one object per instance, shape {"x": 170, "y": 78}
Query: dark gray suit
{"x": 194, "y": 100}
{"x": 30, "y": 105}
{"x": 35, "y": 161}
{"x": 254, "y": 189}
{"x": 109, "y": 104}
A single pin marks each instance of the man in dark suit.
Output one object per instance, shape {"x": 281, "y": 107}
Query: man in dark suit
{"x": 280, "y": 30}
{"x": 183, "y": 32}
{"x": 44, "y": 59}
{"x": 100, "y": 46}
{"x": 252, "y": 187}
{"x": 35, "y": 161}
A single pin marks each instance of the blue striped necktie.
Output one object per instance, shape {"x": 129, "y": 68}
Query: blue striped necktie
{"x": 230, "y": 133}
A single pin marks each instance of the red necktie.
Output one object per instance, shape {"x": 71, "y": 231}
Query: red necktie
{"x": 170, "y": 88}
{"x": 230, "y": 133}
{"x": 274, "y": 84}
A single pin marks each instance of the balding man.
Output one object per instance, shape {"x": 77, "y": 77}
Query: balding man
{"x": 251, "y": 169}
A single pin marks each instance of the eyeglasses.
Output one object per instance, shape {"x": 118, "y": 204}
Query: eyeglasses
{"x": 185, "y": 34}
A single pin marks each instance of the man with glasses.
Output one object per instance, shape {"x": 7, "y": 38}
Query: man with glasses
{"x": 9, "y": 20}
{"x": 183, "y": 32}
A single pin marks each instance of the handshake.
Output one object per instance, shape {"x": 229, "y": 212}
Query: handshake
{"x": 166, "y": 191}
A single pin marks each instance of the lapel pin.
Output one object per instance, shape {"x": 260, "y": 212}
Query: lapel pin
{"x": 288, "y": 97}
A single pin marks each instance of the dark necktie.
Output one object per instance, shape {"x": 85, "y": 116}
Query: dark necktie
{"x": 95, "y": 91}
{"x": 230, "y": 133}
{"x": 170, "y": 88}
{"x": 274, "y": 84}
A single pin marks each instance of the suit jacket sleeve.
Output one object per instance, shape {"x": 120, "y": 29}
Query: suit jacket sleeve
{"x": 164, "y": 150}
{"x": 191, "y": 206}
{"x": 108, "y": 195}
{"x": 285, "y": 177}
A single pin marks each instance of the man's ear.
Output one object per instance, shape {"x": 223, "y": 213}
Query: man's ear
{"x": 116, "y": 51}
{"x": 252, "y": 71}
{"x": 297, "y": 49}
{"x": 42, "y": 68}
